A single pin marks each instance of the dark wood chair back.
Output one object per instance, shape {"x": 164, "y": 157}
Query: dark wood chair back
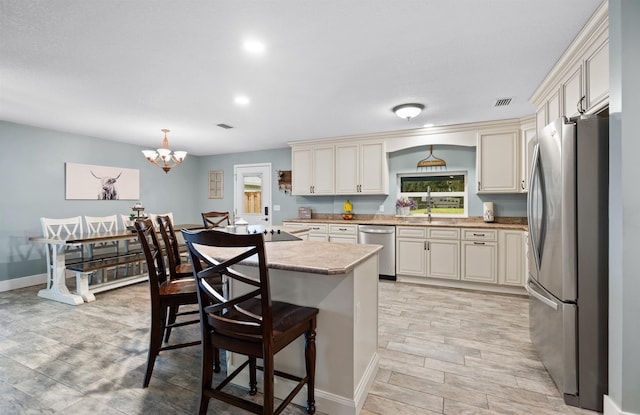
{"x": 167, "y": 295}
{"x": 248, "y": 323}
{"x": 215, "y": 219}
{"x": 154, "y": 256}
{"x": 174, "y": 263}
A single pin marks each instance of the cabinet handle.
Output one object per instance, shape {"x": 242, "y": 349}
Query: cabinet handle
{"x": 580, "y": 106}
{"x": 478, "y": 243}
{"x": 342, "y": 229}
{"x": 478, "y": 234}
{"x": 478, "y": 185}
{"x": 522, "y": 185}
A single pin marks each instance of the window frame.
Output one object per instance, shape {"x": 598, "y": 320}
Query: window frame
{"x": 464, "y": 194}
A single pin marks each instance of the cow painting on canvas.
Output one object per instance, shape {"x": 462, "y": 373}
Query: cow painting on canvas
{"x": 104, "y": 183}
{"x": 108, "y": 190}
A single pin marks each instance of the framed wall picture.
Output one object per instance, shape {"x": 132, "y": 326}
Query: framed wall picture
{"x": 216, "y": 184}
{"x": 89, "y": 182}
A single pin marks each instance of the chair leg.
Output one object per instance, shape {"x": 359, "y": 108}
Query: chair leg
{"x": 155, "y": 342}
{"x": 268, "y": 382}
{"x": 206, "y": 378}
{"x": 310, "y": 363}
{"x": 216, "y": 362}
{"x": 253, "y": 381}
{"x": 173, "y": 310}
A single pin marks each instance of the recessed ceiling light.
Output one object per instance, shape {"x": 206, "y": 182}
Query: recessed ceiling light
{"x": 241, "y": 100}
{"x": 428, "y": 125}
{"x": 253, "y": 46}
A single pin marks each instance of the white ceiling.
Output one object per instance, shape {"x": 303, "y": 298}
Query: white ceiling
{"x": 122, "y": 70}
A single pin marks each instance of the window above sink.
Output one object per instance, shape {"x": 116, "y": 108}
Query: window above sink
{"x": 441, "y": 194}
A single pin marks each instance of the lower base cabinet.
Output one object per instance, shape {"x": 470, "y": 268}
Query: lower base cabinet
{"x": 411, "y": 257}
{"x": 480, "y": 261}
{"x": 344, "y": 234}
{"x": 512, "y": 247}
{"x": 428, "y": 252}
{"x": 491, "y": 257}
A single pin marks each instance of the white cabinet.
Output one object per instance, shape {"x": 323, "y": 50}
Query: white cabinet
{"x": 497, "y": 162}
{"x": 579, "y": 82}
{"x": 411, "y": 251}
{"x": 512, "y": 257}
{"x": 428, "y": 252}
{"x": 528, "y": 141}
{"x": 318, "y": 232}
{"x": 572, "y": 94}
{"x": 443, "y": 253}
{"x": 346, "y": 234}
{"x": 313, "y": 170}
{"x": 362, "y": 168}
{"x": 358, "y": 167}
{"x": 480, "y": 256}
{"x": 596, "y": 70}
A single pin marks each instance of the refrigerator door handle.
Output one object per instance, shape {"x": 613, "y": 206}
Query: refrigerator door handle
{"x": 542, "y": 298}
{"x": 534, "y": 183}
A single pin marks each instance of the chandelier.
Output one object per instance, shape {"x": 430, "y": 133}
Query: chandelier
{"x": 163, "y": 156}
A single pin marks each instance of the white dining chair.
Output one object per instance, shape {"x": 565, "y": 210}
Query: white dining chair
{"x": 52, "y": 228}
{"x": 103, "y": 224}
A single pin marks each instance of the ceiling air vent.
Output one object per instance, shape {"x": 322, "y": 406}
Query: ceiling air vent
{"x": 225, "y": 126}
{"x": 502, "y": 102}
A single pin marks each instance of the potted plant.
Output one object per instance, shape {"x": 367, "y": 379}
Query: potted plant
{"x": 404, "y": 205}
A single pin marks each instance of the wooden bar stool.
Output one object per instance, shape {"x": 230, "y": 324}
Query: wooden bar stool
{"x": 249, "y": 324}
{"x": 166, "y": 293}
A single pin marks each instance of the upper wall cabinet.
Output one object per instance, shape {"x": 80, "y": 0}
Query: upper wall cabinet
{"x": 362, "y": 168}
{"x": 498, "y": 162}
{"x": 357, "y": 167}
{"x": 579, "y": 82}
{"x": 313, "y": 170}
{"x": 527, "y": 143}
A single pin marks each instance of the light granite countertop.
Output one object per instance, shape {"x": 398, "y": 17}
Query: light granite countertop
{"x": 305, "y": 256}
{"x": 515, "y": 223}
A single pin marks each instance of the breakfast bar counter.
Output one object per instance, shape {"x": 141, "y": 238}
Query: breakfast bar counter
{"x": 342, "y": 282}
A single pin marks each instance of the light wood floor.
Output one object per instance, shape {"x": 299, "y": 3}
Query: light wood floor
{"x": 441, "y": 352}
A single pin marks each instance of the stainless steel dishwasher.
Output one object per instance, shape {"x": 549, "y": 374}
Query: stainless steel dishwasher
{"x": 384, "y": 235}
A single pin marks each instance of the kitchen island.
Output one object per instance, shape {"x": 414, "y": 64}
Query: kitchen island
{"x": 343, "y": 284}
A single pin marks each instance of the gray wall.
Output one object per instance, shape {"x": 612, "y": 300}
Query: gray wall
{"x": 624, "y": 203}
{"x": 32, "y": 163}
{"x": 404, "y": 161}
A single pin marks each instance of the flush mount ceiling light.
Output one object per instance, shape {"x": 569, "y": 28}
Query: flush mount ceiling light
{"x": 241, "y": 100}
{"x": 253, "y": 46}
{"x": 163, "y": 157}
{"x": 407, "y": 111}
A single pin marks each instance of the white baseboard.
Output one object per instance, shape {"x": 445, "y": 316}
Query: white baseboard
{"x": 22, "y": 282}
{"x": 610, "y": 407}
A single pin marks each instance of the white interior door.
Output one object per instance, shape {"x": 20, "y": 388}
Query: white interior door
{"x": 252, "y": 193}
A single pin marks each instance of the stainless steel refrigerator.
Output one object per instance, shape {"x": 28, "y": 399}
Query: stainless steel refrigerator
{"x": 567, "y": 209}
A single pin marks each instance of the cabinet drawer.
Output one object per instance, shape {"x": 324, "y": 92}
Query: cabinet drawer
{"x": 343, "y": 229}
{"x": 443, "y": 233}
{"x": 411, "y": 232}
{"x": 317, "y": 228}
{"x": 480, "y": 234}
{"x": 294, "y": 224}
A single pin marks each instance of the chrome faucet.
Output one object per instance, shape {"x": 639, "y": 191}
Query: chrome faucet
{"x": 429, "y": 204}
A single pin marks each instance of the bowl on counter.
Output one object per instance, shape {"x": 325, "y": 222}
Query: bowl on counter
{"x": 347, "y": 216}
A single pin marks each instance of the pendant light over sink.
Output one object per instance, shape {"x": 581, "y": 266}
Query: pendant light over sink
{"x": 407, "y": 111}
{"x": 163, "y": 157}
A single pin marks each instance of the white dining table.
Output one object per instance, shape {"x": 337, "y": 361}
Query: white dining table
{"x": 56, "y": 288}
